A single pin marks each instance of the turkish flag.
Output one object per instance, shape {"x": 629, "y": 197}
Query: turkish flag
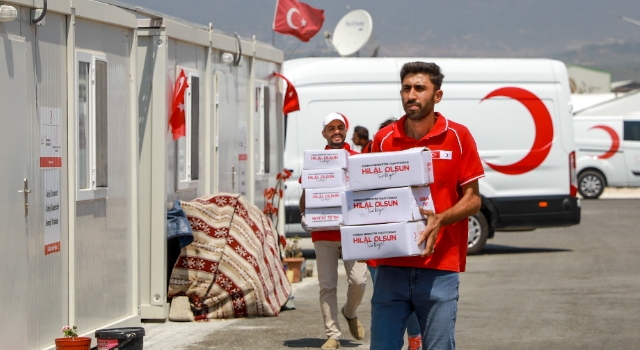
{"x": 297, "y": 19}
{"x": 291, "y": 103}
{"x": 177, "y": 119}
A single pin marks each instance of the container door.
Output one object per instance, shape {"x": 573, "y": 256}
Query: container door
{"x": 631, "y": 146}
{"x": 14, "y": 190}
{"x": 226, "y": 140}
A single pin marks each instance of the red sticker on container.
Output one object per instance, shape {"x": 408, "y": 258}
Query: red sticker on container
{"x": 106, "y": 344}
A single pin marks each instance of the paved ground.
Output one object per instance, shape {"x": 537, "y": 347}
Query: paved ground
{"x": 620, "y": 192}
{"x": 561, "y": 288}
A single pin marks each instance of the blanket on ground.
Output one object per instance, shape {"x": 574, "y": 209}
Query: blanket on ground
{"x": 232, "y": 268}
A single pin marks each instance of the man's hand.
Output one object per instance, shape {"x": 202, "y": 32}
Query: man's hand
{"x": 430, "y": 233}
{"x": 303, "y": 222}
{"x": 468, "y": 205}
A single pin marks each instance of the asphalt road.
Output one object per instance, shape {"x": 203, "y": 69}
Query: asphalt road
{"x": 564, "y": 288}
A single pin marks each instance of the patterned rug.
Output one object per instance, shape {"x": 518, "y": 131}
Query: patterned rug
{"x": 233, "y": 268}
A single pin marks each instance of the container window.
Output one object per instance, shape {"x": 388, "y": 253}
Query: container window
{"x": 102, "y": 164}
{"x": 266, "y": 136}
{"x": 82, "y": 153}
{"x": 92, "y": 172}
{"x": 188, "y": 147}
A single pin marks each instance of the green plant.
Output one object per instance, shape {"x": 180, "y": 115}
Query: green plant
{"x": 70, "y": 332}
{"x": 293, "y": 249}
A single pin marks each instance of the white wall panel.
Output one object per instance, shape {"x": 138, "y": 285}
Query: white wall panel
{"x": 103, "y": 230}
{"x": 14, "y": 225}
{"x": 47, "y": 53}
{"x": 263, "y": 71}
{"x": 191, "y": 56}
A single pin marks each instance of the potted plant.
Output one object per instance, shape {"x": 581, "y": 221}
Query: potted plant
{"x": 71, "y": 341}
{"x": 293, "y": 259}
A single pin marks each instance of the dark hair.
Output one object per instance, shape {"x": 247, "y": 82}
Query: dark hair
{"x": 387, "y": 122}
{"x": 362, "y": 132}
{"x": 430, "y": 68}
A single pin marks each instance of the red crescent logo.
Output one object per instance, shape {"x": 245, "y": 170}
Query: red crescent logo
{"x": 543, "y": 133}
{"x": 615, "y": 141}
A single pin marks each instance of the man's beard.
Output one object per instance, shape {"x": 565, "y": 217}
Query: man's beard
{"x": 335, "y": 145}
{"x": 422, "y": 112}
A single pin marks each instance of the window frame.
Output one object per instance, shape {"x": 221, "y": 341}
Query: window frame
{"x": 262, "y": 105}
{"x": 92, "y": 192}
{"x": 187, "y": 183}
{"x": 628, "y": 126}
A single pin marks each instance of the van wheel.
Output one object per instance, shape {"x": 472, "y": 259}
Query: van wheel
{"x": 591, "y": 184}
{"x": 478, "y": 233}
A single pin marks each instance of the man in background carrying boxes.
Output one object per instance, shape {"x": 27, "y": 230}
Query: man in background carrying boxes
{"x": 428, "y": 283}
{"x": 322, "y": 180}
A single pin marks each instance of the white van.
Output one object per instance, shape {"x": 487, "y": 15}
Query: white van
{"x": 608, "y": 145}
{"x": 518, "y": 111}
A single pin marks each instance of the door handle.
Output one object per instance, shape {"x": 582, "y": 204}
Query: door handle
{"x": 26, "y": 192}
{"x": 233, "y": 178}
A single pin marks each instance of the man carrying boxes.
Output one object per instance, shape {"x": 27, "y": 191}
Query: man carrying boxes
{"x": 428, "y": 283}
{"x": 322, "y": 180}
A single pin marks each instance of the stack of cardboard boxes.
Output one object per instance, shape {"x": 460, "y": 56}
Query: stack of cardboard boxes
{"x": 324, "y": 178}
{"x": 381, "y": 209}
{"x": 378, "y": 204}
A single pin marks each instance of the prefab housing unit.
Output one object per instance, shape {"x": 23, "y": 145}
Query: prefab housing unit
{"x": 70, "y": 256}
{"x": 234, "y": 130}
{"x": 89, "y": 165}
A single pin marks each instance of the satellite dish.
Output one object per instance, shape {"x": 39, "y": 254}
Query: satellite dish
{"x": 352, "y": 32}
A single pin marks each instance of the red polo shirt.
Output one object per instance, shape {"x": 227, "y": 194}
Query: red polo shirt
{"x": 367, "y": 147}
{"x": 332, "y": 235}
{"x": 455, "y": 163}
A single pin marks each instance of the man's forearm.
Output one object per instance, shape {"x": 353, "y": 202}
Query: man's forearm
{"x": 468, "y": 205}
{"x": 301, "y": 204}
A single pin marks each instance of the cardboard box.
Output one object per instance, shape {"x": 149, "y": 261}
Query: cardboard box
{"x": 323, "y": 197}
{"x": 323, "y": 218}
{"x": 325, "y": 159}
{"x": 384, "y": 206}
{"x": 381, "y": 241}
{"x": 412, "y": 167}
{"x": 324, "y": 178}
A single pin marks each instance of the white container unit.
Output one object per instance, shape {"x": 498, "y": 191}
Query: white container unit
{"x": 70, "y": 154}
{"x": 234, "y": 131}
{"x": 88, "y": 142}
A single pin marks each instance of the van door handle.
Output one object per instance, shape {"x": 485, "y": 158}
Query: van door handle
{"x": 26, "y": 192}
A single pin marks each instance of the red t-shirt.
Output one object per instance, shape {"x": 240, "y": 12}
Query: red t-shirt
{"x": 455, "y": 163}
{"x": 332, "y": 235}
{"x": 367, "y": 147}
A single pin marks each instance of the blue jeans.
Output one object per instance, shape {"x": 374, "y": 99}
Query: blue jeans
{"x": 399, "y": 291}
{"x": 413, "y": 327}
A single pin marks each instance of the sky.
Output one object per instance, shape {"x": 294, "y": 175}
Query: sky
{"x": 582, "y": 31}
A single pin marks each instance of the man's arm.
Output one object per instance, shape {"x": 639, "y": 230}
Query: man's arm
{"x": 301, "y": 204}
{"x": 468, "y": 205}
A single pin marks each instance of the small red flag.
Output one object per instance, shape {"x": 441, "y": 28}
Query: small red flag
{"x": 291, "y": 103}
{"x": 177, "y": 119}
{"x": 298, "y": 19}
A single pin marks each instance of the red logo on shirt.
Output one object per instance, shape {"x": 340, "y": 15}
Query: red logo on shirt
{"x": 543, "y": 133}
{"x": 615, "y": 141}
